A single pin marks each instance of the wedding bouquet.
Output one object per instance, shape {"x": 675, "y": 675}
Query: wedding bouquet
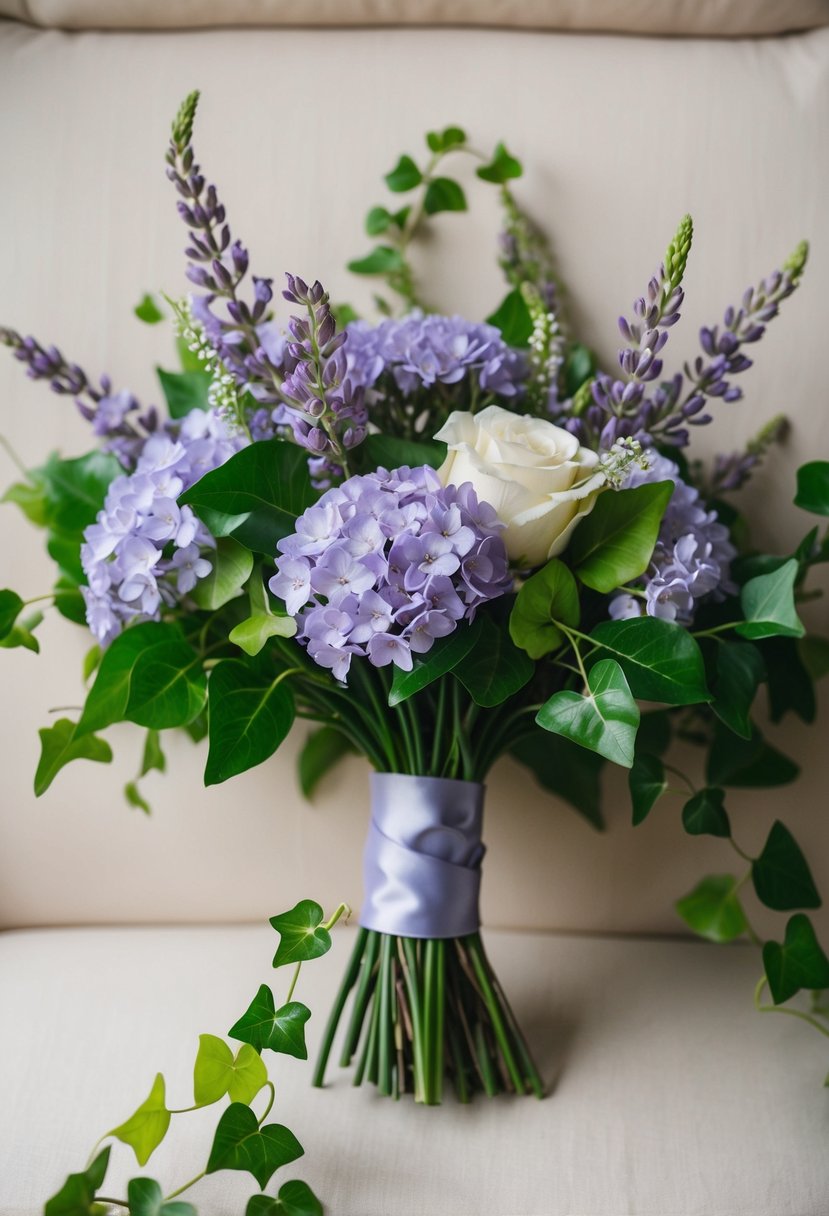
{"x": 442, "y": 542}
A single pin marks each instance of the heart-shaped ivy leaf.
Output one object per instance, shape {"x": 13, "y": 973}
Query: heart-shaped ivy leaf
{"x": 781, "y": 875}
{"x": 713, "y": 909}
{"x": 798, "y": 963}
{"x": 302, "y": 935}
{"x": 604, "y": 720}
{"x": 145, "y": 1130}
{"x": 647, "y": 784}
{"x": 145, "y": 1198}
{"x": 217, "y": 1072}
{"x": 295, "y": 1198}
{"x": 282, "y": 1030}
{"x": 59, "y": 745}
{"x": 241, "y": 1144}
{"x": 768, "y": 605}
{"x": 705, "y": 814}
{"x": 77, "y": 1195}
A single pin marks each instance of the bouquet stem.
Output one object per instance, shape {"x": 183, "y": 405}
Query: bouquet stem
{"x": 423, "y": 1010}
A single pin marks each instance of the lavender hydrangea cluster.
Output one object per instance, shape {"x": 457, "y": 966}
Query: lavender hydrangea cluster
{"x": 385, "y": 564}
{"x": 144, "y": 550}
{"x": 692, "y": 558}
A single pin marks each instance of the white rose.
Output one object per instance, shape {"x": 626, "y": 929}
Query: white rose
{"x": 536, "y": 475}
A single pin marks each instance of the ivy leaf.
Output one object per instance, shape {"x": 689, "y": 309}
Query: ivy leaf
{"x": 647, "y": 784}
{"x": 604, "y": 720}
{"x": 813, "y": 487}
{"x": 148, "y": 311}
{"x": 377, "y": 221}
{"x": 790, "y": 684}
{"x": 302, "y": 935}
{"x": 798, "y": 963}
{"x": 149, "y": 675}
{"x": 814, "y": 655}
{"x": 548, "y": 595}
{"x": 740, "y": 670}
{"x": 30, "y": 497}
{"x": 241, "y": 1144}
{"x": 153, "y": 757}
{"x": 253, "y": 633}
{"x": 615, "y": 542}
{"x": 449, "y": 137}
{"x": 11, "y": 605}
{"x": 496, "y": 669}
{"x": 501, "y": 168}
{"x": 77, "y": 1195}
{"x": 566, "y": 770}
{"x": 145, "y": 1130}
{"x": 713, "y": 909}
{"x": 282, "y": 1030}
{"x": 145, "y": 1198}
{"x": 391, "y": 452}
{"x": 513, "y": 319}
{"x": 705, "y": 814}
{"x": 747, "y": 763}
{"x": 768, "y": 605}
{"x": 321, "y": 751}
{"x": 781, "y": 875}
{"x": 232, "y": 564}
{"x": 184, "y": 391}
{"x": 295, "y": 1199}
{"x": 59, "y": 746}
{"x": 384, "y": 259}
{"x": 134, "y": 797}
{"x": 444, "y": 194}
{"x": 404, "y": 176}
{"x": 250, "y": 712}
{"x": 443, "y": 657}
{"x": 661, "y": 661}
{"x": 218, "y": 1072}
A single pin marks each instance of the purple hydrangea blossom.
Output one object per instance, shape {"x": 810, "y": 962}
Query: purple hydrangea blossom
{"x": 125, "y": 552}
{"x": 692, "y": 558}
{"x": 383, "y": 565}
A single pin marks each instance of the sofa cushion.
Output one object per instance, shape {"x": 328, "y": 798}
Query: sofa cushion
{"x": 670, "y": 1095}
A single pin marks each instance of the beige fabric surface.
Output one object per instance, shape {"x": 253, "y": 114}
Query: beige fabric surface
{"x": 671, "y": 1096}
{"x": 620, "y": 137}
{"x": 699, "y": 18}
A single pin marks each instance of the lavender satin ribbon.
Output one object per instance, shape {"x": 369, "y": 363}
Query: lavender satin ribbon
{"x": 422, "y": 859}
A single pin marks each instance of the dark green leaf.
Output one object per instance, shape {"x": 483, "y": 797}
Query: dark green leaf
{"x": 790, "y": 684}
{"x": 30, "y": 497}
{"x": 250, "y": 711}
{"x": 814, "y": 654}
{"x": 496, "y": 668}
{"x": 77, "y": 1195}
{"x": 281, "y": 1030}
{"x": 295, "y": 1199}
{"x": 713, "y": 909}
{"x": 747, "y": 763}
{"x": 377, "y": 221}
{"x": 145, "y": 1198}
{"x": 232, "y": 564}
{"x": 740, "y": 669}
{"x": 768, "y": 605}
{"x": 813, "y": 487}
{"x": 798, "y": 963}
{"x": 258, "y": 493}
{"x": 647, "y": 784}
{"x": 566, "y": 770}
{"x": 654, "y": 733}
{"x": 781, "y": 875}
{"x": 604, "y": 720}
{"x": 501, "y": 168}
{"x": 389, "y": 452}
{"x": 148, "y": 311}
{"x": 579, "y": 365}
{"x": 59, "y": 745}
{"x": 134, "y": 796}
{"x": 302, "y": 935}
{"x": 69, "y": 601}
{"x": 705, "y": 814}
{"x": 513, "y": 319}
{"x": 548, "y": 596}
{"x": 661, "y": 660}
{"x": 449, "y": 137}
{"x": 443, "y": 657}
{"x": 444, "y": 194}
{"x": 184, "y": 391}
{"x": 64, "y": 548}
{"x": 22, "y": 635}
{"x": 11, "y": 605}
{"x": 614, "y": 543}
{"x": 241, "y": 1144}
{"x": 75, "y": 489}
{"x": 384, "y": 259}
{"x": 145, "y": 1130}
{"x": 321, "y": 751}
{"x": 404, "y": 176}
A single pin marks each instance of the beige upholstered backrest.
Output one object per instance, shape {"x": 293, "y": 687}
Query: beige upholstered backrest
{"x": 619, "y": 136}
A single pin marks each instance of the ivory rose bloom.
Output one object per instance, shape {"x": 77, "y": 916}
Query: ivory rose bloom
{"x": 536, "y": 475}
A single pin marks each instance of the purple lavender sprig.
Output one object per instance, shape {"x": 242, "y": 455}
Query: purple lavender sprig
{"x": 732, "y": 471}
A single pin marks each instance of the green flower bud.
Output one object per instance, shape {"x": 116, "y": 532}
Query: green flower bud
{"x": 678, "y": 250}
{"x": 796, "y": 261}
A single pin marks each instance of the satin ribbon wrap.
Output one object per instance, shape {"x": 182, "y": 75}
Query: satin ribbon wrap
{"x": 422, "y": 859}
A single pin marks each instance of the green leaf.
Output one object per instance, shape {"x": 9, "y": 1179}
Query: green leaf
{"x": 647, "y": 784}
{"x": 501, "y": 168}
{"x": 798, "y": 963}
{"x": 153, "y": 757}
{"x": 614, "y": 543}
{"x": 321, "y": 751}
{"x": 30, "y": 497}
{"x": 241, "y": 1144}
{"x": 566, "y": 770}
{"x": 768, "y": 605}
{"x": 444, "y": 656}
{"x": 145, "y": 1198}
{"x": 404, "y": 176}
{"x": 390, "y": 452}
{"x": 604, "y": 720}
{"x": 579, "y": 366}
{"x": 295, "y": 1199}
{"x": 148, "y": 311}
{"x": 548, "y": 595}
{"x": 250, "y": 711}
{"x": 69, "y": 601}
{"x": 11, "y": 605}
{"x": 813, "y": 487}
{"x": 513, "y": 319}
{"x": 444, "y": 194}
{"x": 377, "y": 221}
{"x": 77, "y": 1195}
{"x": 217, "y": 1072}
{"x": 149, "y": 675}
{"x": 257, "y": 495}
{"x": 134, "y": 796}
{"x": 232, "y": 564}
{"x": 661, "y": 660}
{"x": 64, "y": 548}
{"x": 145, "y": 1130}
{"x": 781, "y": 875}
{"x": 91, "y": 662}
{"x": 654, "y": 733}
{"x": 184, "y": 391}
{"x": 713, "y": 909}
{"x": 59, "y": 746}
{"x": 496, "y": 669}
{"x": 21, "y": 635}
{"x": 814, "y": 655}
{"x": 75, "y": 489}
{"x": 252, "y": 634}
{"x": 449, "y": 137}
{"x": 189, "y": 360}
{"x": 740, "y": 670}
{"x": 282, "y": 1030}
{"x": 301, "y": 934}
{"x": 747, "y": 763}
{"x": 384, "y": 259}
{"x": 790, "y": 684}
{"x": 705, "y": 814}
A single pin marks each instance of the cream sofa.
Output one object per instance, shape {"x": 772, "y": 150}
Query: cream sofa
{"x": 126, "y": 937}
